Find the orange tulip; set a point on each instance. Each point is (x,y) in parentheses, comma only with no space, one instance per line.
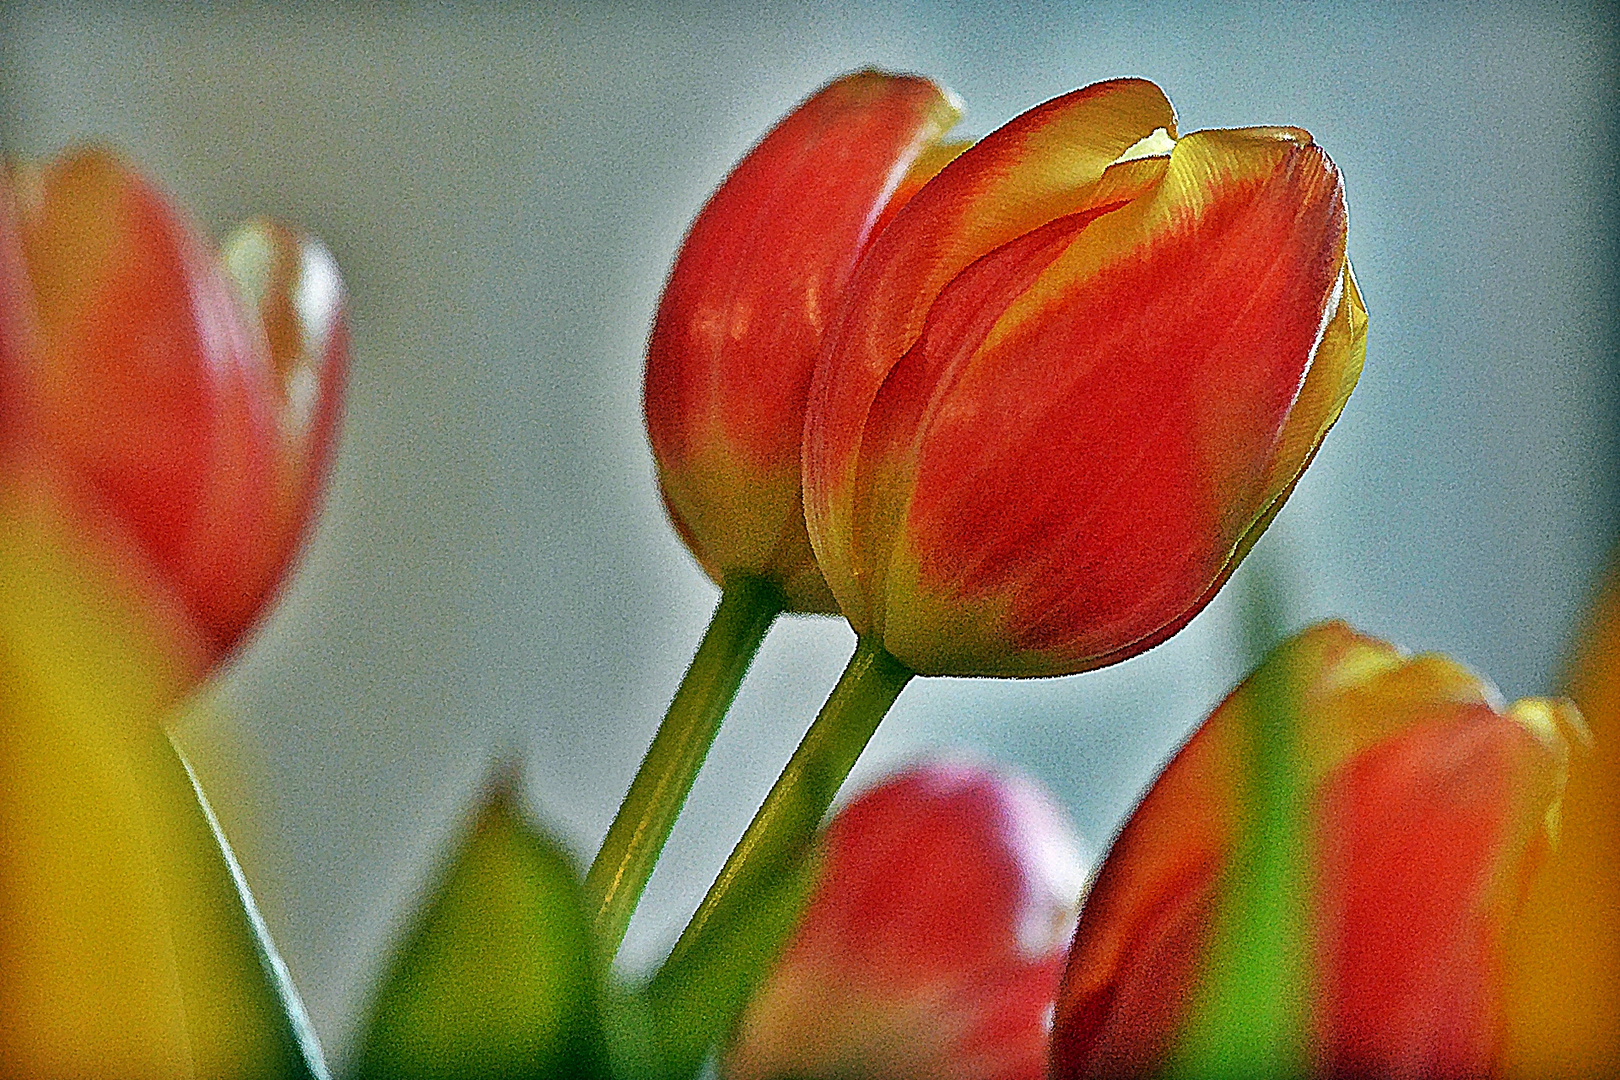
(933,943)
(1360,920)
(761,276)
(1075,378)
(188,415)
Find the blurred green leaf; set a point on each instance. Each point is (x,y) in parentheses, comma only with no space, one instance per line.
(274,1023)
(499,977)
(1250,1016)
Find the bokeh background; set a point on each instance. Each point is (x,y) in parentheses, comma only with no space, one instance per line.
(504,188)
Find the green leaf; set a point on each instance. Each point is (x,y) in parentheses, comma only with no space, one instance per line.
(499,976)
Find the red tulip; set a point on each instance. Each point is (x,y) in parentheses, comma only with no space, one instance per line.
(933,943)
(1075,378)
(189,418)
(1415,812)
(760,277)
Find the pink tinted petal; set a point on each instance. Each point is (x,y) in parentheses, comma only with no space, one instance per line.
(933,944)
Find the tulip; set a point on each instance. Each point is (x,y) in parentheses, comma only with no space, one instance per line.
(761,276)
(166,419)
(1071,381)
(1075,378)
(933,943)
(1562,962)
(1320,881)
(759,279)
(188,405)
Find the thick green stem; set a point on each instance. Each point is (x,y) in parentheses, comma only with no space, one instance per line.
(614,885)
(757,899)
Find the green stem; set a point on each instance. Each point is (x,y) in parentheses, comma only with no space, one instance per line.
(1251,1016)
(757,899)
(616,879)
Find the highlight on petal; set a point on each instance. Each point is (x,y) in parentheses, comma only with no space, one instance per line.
(1411,810)
(933,942)
(758,282)
(288,283)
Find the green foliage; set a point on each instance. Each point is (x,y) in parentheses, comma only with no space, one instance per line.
(499,978)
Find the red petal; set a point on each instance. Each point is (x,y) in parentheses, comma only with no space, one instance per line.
(150,383)
(1044,165)
(1098,460)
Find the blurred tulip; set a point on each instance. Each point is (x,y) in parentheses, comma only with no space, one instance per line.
(933,943)
(1319,882)
(761,276)
(1075,378)
(1562,961)
(191,414)
(162,444)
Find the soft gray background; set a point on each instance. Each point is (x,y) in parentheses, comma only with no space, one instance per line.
(504,189)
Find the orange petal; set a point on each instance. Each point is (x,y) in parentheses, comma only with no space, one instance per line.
(1092,457)
(1424,807)
(1561,964)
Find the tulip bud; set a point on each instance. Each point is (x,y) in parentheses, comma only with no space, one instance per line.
(198,434)
(934,940)
(1352,894)
(1075,378)
(497,978)
(761,276)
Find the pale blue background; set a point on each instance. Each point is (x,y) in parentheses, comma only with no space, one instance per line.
(504,189)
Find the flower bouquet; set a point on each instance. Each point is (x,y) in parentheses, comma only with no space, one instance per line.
(1015,408)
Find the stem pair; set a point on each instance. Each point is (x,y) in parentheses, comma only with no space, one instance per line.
(755,902)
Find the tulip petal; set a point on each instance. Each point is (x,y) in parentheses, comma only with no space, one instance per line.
(1419,807)
(288,283)
(932,944)
(150,383)
(1407,833)
(1170,341)
(759,279)
(1044,165)
(1561,963)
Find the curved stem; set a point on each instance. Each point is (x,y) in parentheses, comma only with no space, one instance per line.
(757,899)
(628,854)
